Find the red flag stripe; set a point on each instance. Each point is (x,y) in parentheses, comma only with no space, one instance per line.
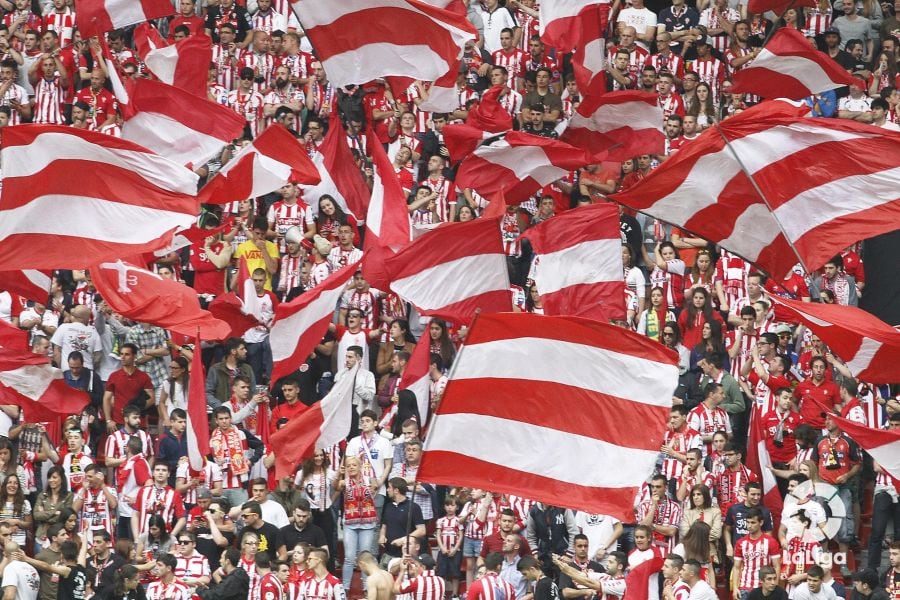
(183,65)
(95,17)
(561,21)
(31,284)
(623,123)
(417,379)
(353,52)
(883,445)
(300,324)
(340,177)
(197,432)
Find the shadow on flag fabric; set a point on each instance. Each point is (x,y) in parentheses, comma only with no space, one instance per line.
(197,420)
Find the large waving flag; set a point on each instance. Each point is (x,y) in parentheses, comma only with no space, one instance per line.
(454,270)
(869,346)
(747,186)
(320,426)
(266,164)
(489,114)
(510,366)
(788,67)
(562,21)
(132,202)
(31,284)
(184,64)
(95,17)
(578,271)
(301,323)
(339,176)
(416,378)
(618,125)
(358,40)
(760,462)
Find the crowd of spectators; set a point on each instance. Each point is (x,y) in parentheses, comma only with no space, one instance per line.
(105,504)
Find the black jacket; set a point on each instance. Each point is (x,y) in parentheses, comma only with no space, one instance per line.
(235,586)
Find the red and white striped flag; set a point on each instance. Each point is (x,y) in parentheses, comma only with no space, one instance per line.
(31,284)
(339,176)
(184,64)
(417,379)
(301,323)
(882,444)
(562,22)
(197,432)
(462,140)
(176,124)
(387,221)
(578,268)
(869,346)
(454,270)
(355,45)
(589,58)
(705,189)
(29,380)
(95,17)
(789,67)
(759,462)
(320,426)
(488,114)
(517,165)
(520,360)
(618,125)
(779,7)
(133,201)
(266,164)
(442,93)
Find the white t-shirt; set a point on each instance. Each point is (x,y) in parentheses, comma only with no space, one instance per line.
(494,23)
(702,591)
(801,592)
(598,529)
(76,336)
(641,19)
(274,513)
(24,578)
(378,449)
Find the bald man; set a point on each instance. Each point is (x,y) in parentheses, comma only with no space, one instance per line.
(78,335)
(20,580)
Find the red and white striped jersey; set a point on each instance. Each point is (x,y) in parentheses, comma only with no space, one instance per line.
(513,62)
(195,565)
(290,274)
(293,590)
(339,258)
(268,588)
(521,506)
(48,98)
(818,20)
(318,272)
(637,58)
(449,530)
(115,443)
(732,271)
(209,476)
(228,64)
(323,96)
(673,104)
(671,280)
(409,98)
(15,93)
(263,65)
(62,23)
(274,21)
(730,487)
(426,586)
(446,193)
(95,514)
(510,232)
(747,343)
(163,501)
(366,301)
(530,26)
(286,96)
(711,70)
(681,590)
(492,587)
(708,421)
(668,513)
(283,216)
(249,566)
(474,528)
(755,554)
(300,64)
(512,102)
(689,480)
(249,106)
(328,588)
(157,590)
(711,19)
(680,442)
(673,63)
(130,477)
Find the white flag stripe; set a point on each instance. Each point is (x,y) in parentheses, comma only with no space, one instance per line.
(863,357)
(596,261)
(381,61)
(38,278)
(542,359)
(324,13)
(163,62)
(550,10)
(336,411)
(31,381)
(471,276)
(422,389)
(523,161)
(171,138)
(49,147)
(58,214)
(817,206)
(759,150)
(753,231)
(526,447)
(802,69)
(286,332)
(888,456)
(124,12)
(609,117)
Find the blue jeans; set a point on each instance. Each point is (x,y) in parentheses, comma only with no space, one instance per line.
(845,533)
(259,356)
(884,511)
(357,539)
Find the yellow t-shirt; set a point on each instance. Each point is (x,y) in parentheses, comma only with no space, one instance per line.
(254,258)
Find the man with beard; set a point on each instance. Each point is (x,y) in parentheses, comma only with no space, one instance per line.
(283,94)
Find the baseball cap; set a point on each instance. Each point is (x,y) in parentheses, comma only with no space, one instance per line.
(203,493)
(833,30)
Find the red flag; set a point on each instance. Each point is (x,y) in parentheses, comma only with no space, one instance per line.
(443,96)
(29,380)
(788,67)
(176,124)
(519,360)
(779,7)
(387,221)
(246,291)
(463,140)
(489,114)
(589,58)
(184,64)
(31,284)
(869,346)
(354,50)
(320,426)
(230,309)
(266,164)
(133,201)
(643,577)
(759,462)
(578,270)
(95,17)
(340,177)
(454,270)
(563,22)
(197,422)
(144,296)
(618,125)
(300,324)
(705,188)
(518,164)
(883,445)
(416,378)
